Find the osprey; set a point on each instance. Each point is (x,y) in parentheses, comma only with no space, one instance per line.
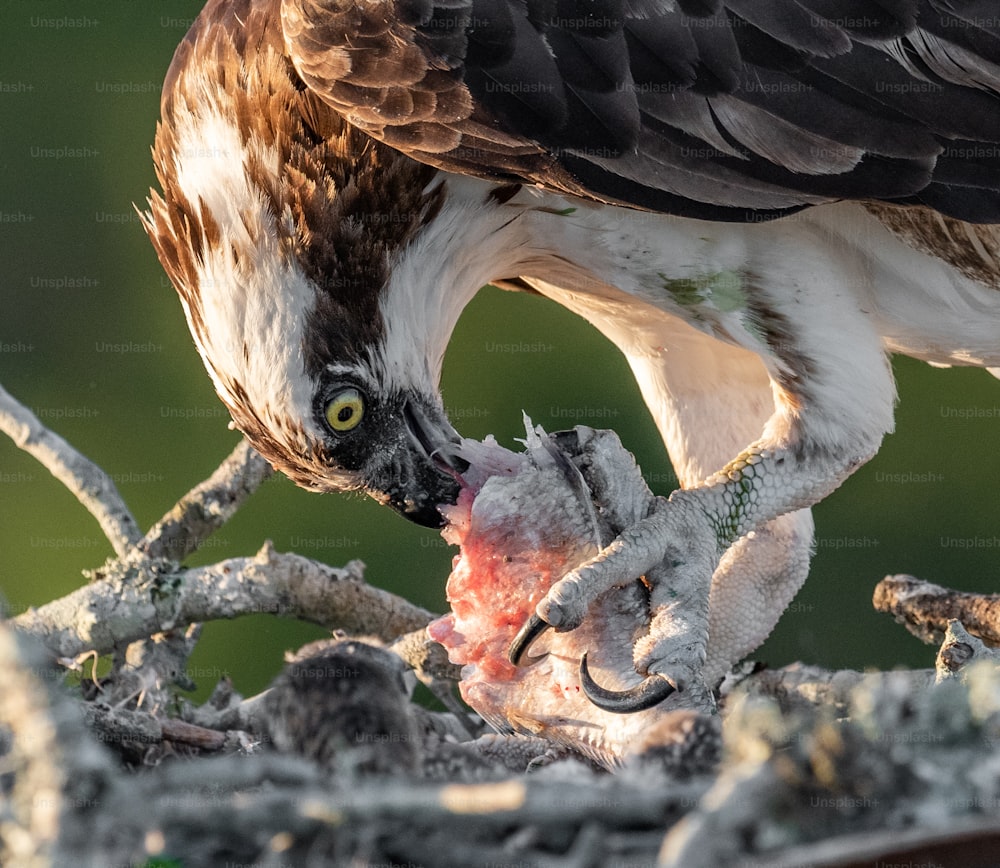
(757,201)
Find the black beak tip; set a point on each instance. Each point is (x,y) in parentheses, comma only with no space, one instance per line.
(425,516)
(424,510)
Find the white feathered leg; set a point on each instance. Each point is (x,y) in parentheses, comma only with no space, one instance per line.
(813,403)
(717,398)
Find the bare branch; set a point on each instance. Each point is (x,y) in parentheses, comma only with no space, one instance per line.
(926,609)
(134,603)
(123,725)
(207,506)
(32,834)
(227,710)
(959,651)
(89,484)
(429,662)
(798,687)
(55,762)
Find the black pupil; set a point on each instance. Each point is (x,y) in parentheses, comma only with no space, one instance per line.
(344,414)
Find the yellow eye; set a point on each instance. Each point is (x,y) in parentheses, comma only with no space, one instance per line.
(345,409)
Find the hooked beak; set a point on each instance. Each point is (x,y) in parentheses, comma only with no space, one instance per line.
(428,474)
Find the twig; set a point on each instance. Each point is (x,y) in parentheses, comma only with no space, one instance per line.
(207,506)
(121,725)
(30,834)
(429,662)
(798,687)
(91,485)
(57,766)
(925,609)
(123,607)
(227,710)
(959,651)
(197,515)
(963,843)
(738,798)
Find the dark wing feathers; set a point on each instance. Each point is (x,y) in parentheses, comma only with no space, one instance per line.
(720,109)
(866,20)
(936,105)
(719,59)
(793,25)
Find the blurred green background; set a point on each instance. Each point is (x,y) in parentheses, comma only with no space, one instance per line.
(92,337)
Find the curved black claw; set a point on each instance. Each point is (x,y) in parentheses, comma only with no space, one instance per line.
(532,629)
(652,691)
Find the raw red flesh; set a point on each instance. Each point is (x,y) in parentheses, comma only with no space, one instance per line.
(521,525)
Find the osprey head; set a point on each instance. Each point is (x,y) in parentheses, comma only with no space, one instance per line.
(281,228)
